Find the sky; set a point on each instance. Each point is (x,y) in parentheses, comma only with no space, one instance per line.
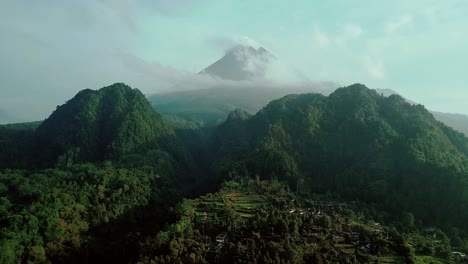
(51,49)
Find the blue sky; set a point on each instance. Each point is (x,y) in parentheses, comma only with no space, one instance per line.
(52,49)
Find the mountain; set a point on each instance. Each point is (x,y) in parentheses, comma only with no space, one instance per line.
(22,126)
(211,106)
(458,122)
(241,63)
(357,144)
(107,124)
(390,92)
(245,77)
(5,117)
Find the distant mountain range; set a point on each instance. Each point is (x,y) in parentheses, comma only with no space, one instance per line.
(256,70)
(5,117)
(211,106)
(458,122)
(247,78)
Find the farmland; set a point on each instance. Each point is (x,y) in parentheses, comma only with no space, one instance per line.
(243,203)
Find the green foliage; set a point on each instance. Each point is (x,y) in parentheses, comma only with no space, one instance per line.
(55,209)
(393,159)
(22,126)
(101,125)
(15,147)
(292,234)
(357,144)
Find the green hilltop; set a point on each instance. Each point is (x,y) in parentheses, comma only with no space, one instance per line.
(357,144)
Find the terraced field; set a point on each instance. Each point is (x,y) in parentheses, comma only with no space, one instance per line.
(243,203)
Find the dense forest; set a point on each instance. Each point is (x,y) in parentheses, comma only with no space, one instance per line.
(357,144)
(353,177)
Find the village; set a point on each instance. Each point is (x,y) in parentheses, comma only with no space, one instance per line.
(325,222)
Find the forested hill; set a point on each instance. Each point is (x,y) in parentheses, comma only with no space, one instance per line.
(99,174)
(106,124)
(357,144)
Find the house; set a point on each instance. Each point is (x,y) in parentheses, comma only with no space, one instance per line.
(461,255)
(366,248)
(431,232)
(333,237)
(354,235)
(221,238)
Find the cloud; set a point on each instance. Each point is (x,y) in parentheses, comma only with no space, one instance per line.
(154,70)
(353,31)
(151,77)
(321,37)
(227,43)
(172,7)
(246,41)
(222,43)
(375,68)
(346,32)
(393,26)
(125,12)
(128,11)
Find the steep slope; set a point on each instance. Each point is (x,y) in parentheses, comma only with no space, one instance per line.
(106,124)
(241,63)
(357,144)
(458,122)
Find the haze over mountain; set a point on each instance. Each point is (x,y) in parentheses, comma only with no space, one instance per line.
(5,118)
(248,63)
(388,46)
(245,77)
(458,122)
(241,63)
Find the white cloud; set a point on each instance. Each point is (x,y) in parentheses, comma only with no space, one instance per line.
(246,41)
(348,32)
(393,26)
(353,31)
(321,37)
(375,68)
(227,43)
